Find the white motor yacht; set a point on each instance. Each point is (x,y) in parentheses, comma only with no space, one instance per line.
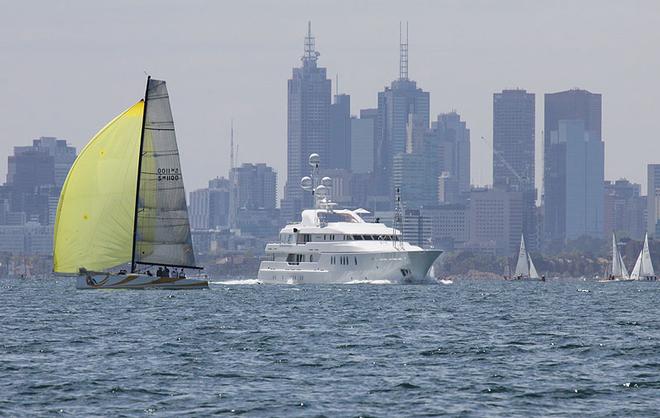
(331,245)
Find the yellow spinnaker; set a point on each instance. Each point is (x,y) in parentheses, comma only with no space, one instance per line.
(94,223)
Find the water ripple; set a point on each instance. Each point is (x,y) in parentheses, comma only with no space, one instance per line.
(474,348)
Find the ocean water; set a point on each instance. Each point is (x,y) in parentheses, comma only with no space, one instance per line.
(471,348)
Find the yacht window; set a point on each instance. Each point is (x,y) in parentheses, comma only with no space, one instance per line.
(336,217)
(357,237)
(367,237)
(304,238)
(356,260)
(348,237)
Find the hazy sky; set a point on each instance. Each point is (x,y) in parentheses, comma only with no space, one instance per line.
(68,67)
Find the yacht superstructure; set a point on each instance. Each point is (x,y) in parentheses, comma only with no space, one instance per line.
(332,245)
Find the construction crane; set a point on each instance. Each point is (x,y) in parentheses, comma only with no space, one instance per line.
(522,180)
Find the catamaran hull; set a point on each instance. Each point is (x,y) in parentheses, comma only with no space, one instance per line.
(617,279)
(407,267)
(525,279)
(137,281)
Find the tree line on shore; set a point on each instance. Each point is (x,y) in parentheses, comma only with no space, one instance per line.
(582,257)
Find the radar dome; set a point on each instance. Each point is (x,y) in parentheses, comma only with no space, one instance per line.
(326,181)
(306,183)
(314,160)
(321,191)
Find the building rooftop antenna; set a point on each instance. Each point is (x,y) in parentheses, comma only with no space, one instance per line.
(311,55)
(233,186)
(231,145)
(403,54)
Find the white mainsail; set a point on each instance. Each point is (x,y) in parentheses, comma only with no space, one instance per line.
(618,267)
(525,266)
(532,269)
(643,265)
(522,266)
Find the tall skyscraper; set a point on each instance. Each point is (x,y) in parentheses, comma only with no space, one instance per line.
(624,209)
(513,139)
(403,119)
(573,165)
(514,152)
(35,175)
(409,175)
(308,125)
(585,176)
(362,144)
(653,200)
(452,148)
(340,133)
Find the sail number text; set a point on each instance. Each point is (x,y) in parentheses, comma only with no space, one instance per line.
(168,174)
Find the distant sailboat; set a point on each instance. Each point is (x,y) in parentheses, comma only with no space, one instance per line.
(618,268)
(643,269)
(124,202)
(525,269)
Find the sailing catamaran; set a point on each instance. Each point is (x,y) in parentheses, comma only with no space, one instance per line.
(123,202)
(525,269)
(643,269)
(618,269)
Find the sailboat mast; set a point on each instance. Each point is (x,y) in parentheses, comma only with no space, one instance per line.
(139,171)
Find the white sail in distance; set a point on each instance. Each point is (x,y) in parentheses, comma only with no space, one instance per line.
(532,269)
(522,266)
(643,265)
(618,267)
(646,269)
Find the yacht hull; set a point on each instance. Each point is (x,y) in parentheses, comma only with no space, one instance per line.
(393,267)
(136,281)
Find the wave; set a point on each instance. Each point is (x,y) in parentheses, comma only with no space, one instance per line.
(238,282)
(369,282)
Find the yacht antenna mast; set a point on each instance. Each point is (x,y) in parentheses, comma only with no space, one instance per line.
(397,224)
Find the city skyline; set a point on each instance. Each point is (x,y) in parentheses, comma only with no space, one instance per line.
(458,64)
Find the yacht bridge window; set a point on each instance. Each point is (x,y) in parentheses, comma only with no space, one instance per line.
(374,237)
(326,217)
